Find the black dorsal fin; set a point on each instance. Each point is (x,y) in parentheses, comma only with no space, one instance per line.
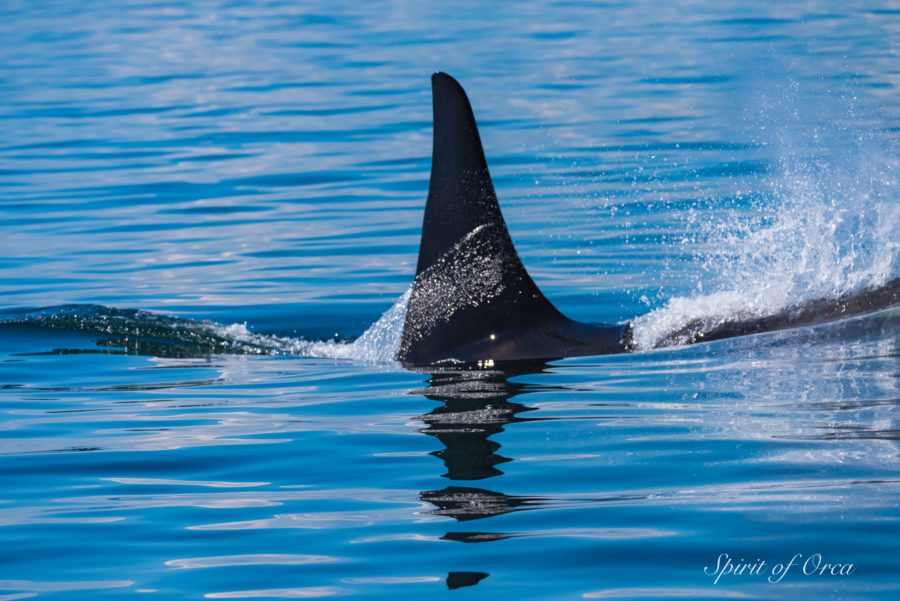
(470,283)
(460,195)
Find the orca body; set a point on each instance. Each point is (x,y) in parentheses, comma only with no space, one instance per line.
(809,313)
(472,300)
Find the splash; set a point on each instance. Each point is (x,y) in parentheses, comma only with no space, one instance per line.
(378,344)
(827,225)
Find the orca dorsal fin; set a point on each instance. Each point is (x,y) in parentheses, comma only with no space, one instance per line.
(461,195)
(470,286)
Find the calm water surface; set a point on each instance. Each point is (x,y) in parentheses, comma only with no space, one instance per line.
(264,165)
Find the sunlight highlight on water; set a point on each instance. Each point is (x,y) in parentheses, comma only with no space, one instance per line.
(210,217)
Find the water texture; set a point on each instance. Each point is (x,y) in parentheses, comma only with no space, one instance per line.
(209,215)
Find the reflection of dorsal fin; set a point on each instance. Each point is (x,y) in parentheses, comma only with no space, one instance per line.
(469,282)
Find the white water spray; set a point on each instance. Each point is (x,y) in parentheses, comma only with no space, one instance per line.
(378,344)
(829,227)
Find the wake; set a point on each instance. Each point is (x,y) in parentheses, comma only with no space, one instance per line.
(683,321)
(135,331)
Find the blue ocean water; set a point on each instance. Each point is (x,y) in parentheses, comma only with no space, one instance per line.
(264,165)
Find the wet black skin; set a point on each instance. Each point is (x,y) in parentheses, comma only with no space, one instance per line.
(473,301)
(512,320)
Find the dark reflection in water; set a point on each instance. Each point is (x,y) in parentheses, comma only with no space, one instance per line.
(475,405)
(461,579)
(464,503)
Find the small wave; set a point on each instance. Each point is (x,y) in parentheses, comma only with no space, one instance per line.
(147,333)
